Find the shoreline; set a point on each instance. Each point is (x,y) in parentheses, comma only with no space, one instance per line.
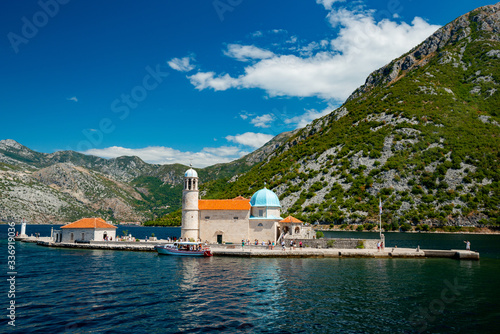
(491,232)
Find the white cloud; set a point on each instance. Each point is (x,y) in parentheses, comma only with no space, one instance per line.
(202,80)
(263,121)
(166,155)
(330,70)
(328,3)
(247,52)
(182,64)
(257,34)
(251,139)
(72,99)
(307,117)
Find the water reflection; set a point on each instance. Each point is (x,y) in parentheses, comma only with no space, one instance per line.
(231,292)
(99,291)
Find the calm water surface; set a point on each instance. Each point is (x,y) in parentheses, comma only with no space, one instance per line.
(93,291)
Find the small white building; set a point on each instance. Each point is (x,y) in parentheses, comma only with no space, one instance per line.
(86,229)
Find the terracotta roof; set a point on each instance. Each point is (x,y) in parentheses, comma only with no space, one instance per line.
(290,219)
(224,204)
(241,198)
(89,223)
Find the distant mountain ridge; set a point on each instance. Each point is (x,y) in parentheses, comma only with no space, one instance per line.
(66,185)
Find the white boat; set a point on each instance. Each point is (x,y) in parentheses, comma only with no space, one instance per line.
(184,248)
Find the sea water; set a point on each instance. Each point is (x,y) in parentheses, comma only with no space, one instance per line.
(105,291)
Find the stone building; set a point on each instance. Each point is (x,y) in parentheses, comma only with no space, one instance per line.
(86,229)
(233,220)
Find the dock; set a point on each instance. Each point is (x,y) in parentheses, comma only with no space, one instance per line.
(348,253)
(265,252)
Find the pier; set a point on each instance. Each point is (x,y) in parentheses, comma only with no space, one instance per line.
(264,252)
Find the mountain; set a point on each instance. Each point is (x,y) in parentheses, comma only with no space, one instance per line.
(422,134)
(65,186)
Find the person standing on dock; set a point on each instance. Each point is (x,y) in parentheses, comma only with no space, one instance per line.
(242,244)
(467,245)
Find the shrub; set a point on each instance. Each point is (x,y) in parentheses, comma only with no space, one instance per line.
(405,227)
(319,234)
(330,243)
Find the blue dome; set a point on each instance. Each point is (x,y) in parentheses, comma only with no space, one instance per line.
(265,197)
(190,173)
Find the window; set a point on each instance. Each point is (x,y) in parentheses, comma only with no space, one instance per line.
(261,213)
(71,237)
(207,217)
(235,217)
(260,224)
(83,235)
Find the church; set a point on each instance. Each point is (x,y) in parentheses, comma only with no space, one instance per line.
(233,220)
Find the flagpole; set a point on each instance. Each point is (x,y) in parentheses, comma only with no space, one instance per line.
(380,218)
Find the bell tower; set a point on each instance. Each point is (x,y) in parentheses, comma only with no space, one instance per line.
(190,220)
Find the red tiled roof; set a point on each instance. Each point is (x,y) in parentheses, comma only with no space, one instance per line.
(238,203)
(89,223)
(290,219)
(241,198)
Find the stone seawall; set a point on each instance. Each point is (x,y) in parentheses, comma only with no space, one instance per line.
(336,243)
(264,251)
(118,245)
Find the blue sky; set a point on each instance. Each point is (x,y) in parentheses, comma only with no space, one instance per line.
(202,81)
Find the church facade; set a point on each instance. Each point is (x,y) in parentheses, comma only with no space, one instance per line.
(237,219)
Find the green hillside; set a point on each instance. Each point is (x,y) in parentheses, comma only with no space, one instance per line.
(422,134)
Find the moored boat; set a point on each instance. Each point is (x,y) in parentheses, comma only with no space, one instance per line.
(184,249)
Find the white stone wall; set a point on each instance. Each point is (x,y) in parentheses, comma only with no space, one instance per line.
(99,234)
(86,234)
(223,222)
(266,212)
(80,234)
(274,212)
(262,229)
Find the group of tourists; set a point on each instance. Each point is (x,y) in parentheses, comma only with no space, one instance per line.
(270,244)
(380,245)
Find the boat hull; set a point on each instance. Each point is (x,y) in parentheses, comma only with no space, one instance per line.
(179,252)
